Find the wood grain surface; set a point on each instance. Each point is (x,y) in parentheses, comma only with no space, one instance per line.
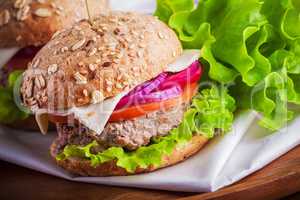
(279,179)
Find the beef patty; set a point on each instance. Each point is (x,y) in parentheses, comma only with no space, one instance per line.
(129,134)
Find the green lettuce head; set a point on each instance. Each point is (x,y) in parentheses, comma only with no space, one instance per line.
(253,45)
(9,111)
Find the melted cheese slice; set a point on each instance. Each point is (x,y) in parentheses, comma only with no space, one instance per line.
(96,116)
(42,119)
(6,54)
(184,61)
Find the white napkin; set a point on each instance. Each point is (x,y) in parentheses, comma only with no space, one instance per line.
(225,160)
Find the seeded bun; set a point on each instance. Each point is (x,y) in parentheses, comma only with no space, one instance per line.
(33,22)
(83,167)
(99,59)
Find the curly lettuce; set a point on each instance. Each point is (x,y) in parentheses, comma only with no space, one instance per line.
(9,111)
(211,110)
(252,45)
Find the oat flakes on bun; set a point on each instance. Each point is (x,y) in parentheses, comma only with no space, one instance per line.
(119,89)
(25,26)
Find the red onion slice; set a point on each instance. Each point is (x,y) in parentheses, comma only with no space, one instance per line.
(189,75)
(165,86)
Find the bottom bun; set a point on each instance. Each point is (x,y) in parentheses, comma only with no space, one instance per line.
(84,168)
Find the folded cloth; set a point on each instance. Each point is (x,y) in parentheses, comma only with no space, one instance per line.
(225,160)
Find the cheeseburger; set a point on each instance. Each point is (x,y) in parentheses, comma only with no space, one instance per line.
(25,26)
(118,88)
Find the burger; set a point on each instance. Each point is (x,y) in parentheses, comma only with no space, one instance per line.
(119,89)
(25,26)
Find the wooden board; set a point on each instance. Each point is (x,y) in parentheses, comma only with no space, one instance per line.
(279,179)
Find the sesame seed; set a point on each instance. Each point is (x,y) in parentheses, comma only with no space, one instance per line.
(20,4)
(113,20)
(119,77)
(97,97)
(78,44)
(104,28)
(92,67)
(119,86)
(92,51)
(29,88)
(135,69)
(53,4)
(118,56)
(100,48)
(40,82)
(131,46)
(36,63)
(58,12)
(108,82)
(141,45)
(60,8)
(80,79)
(134,33)
(174,53)
(42,12)
(52,69)
(108,89)
(131,54)
(112,45)
(64,49)
(160,35)
(56,34)
(85,92)
(23,13)
(77,28)
(139,54)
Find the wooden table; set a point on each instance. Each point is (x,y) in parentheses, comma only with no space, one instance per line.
(279,179)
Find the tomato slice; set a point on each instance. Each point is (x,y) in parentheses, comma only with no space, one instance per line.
(136,111)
